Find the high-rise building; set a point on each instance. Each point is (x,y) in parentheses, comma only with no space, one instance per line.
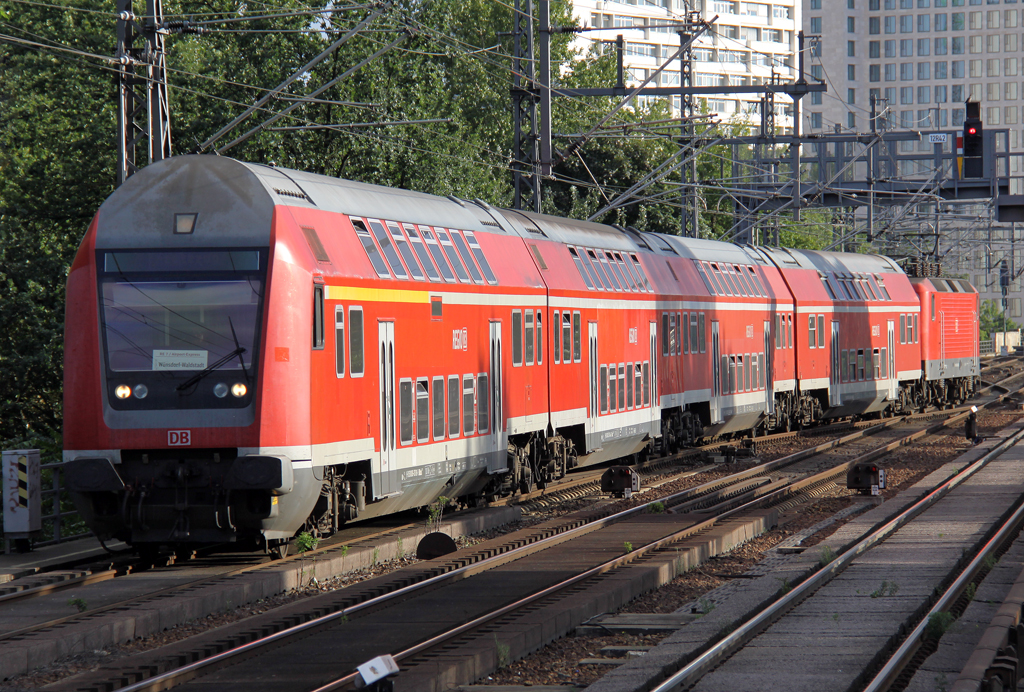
(922,59)
(747,43)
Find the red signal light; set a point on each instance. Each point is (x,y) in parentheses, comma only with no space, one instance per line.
(972,130)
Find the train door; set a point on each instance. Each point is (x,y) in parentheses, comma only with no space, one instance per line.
(716,375)
(495,387)
(835,396)
(891,357)
(386,474)
(769,369)
(594,365)
(655,403)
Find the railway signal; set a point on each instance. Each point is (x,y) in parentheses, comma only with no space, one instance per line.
(973,144)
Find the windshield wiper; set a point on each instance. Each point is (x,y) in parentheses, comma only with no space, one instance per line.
(210,368)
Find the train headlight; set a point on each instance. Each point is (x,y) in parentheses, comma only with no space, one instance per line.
(238,389)
(141,391)
(123,391)
(220,390)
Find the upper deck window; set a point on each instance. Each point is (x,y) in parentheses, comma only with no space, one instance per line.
(479,254)
(371,249)
(437,254)
(421,252)
(388,249)
(467,257)
(403,247)
(640,272)
(579,266)
(453,257)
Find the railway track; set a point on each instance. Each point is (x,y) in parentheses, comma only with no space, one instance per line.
(509,568)
(722,661)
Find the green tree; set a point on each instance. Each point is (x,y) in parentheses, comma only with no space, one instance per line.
(993,319)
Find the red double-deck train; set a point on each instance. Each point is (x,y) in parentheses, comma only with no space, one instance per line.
(251,350)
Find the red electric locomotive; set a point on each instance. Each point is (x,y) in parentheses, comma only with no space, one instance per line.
(253,350)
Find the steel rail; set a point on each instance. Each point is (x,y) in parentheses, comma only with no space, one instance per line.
(43,589)
(884,679)
(690,673)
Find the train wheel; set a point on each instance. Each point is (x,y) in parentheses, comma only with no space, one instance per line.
(279,551)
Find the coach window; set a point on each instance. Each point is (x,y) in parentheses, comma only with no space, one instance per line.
(339,340)
(885,364)
(403,247)
(933,306)
(517,337)
(686,332)
(318,318)
(844,363)
(860,364)
(789,330)
(609,268)
(821,331)
(453,406)
(637,279)
(810,330)
(622,269)
(480,258)
(881,286)
(694,333)
(528,338)
(591,270)
(438,255)
(741,278)
(664,334)
(647,383)
(828,289)
(640,272)
(452,255)
(556,334)
(540,339)
(355,341)
(877,363)
(903,329)
(720,280)
(596,264)
(699,326)
(917,335)
(593,267)
(466,255)
(438,386)
(577,349)
(421,252)
(739,373)
(579,266)
(388,248)
(604,389)
(637,381)
(853,365)
(755,368)
(622,386)
(704,277)
(629,385)
(405,410)
(422,411)
(566,337)
(483,414)
(716,280)
(757,281)
(778,331)
(371,249)
(468,404)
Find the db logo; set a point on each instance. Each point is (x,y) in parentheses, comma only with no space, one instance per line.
(179,438)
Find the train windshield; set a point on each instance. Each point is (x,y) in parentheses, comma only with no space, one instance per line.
(174,320)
